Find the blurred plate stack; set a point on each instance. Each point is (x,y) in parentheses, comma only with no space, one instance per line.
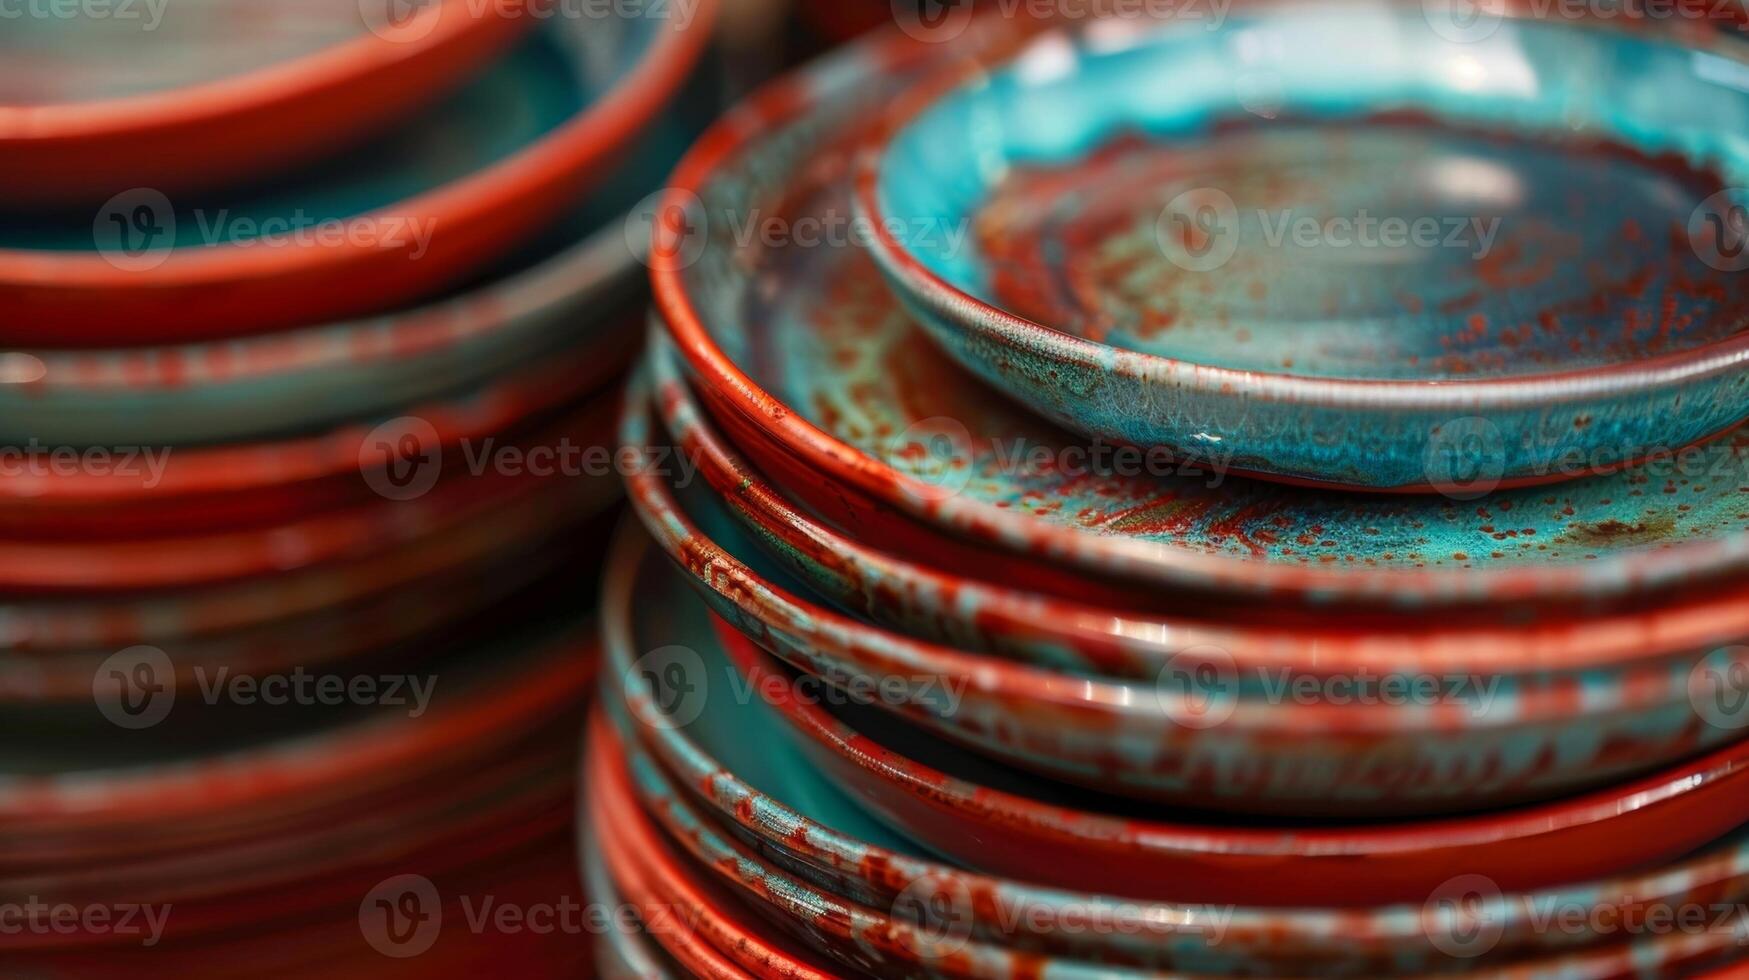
(902,679)
(315,321)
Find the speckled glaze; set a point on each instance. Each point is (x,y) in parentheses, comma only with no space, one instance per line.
(1025,828)
(1101,637)
(307,379)
(1474,746)
(477,173)
(734,759)
(860,937)
(809,363)
(1098,286)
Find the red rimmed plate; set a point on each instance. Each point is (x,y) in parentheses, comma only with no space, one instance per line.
(184,95)
(51,626)
(1442,743)
(544,680)
(730,752)
(119,492)
(425,504)
(161,276)
(805,359)
(1109,640)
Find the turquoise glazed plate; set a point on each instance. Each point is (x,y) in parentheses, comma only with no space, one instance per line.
(1337,243)
(1202,733)
(701,753)
(813,368)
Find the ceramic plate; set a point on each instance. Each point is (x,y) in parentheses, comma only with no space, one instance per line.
(390,222)
(300,380)
(1330,256)
(1202,734)
(1102,638)
(738,759)
(812,367)
(184,94)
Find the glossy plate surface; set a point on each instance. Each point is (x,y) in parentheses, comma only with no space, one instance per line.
(179,95)
(1020,825)
(1333,255)
(1203,734)
(979,610)
(420,207)
(242,389)
(814,369)
(691,746)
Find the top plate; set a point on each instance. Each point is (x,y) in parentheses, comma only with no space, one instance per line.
(1337,243)
(810,362)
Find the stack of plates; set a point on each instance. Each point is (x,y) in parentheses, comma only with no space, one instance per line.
(955,691)
(315,324)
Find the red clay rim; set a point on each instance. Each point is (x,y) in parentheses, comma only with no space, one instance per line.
(501,402)
(791,96)
(1015,684)
(542,688)
(599,130)
(1093,702)
(258,90)
(373,525)
(1021,333)
(358,343)
(1445,833)
(1259,925)
(633,843)
(1581,644)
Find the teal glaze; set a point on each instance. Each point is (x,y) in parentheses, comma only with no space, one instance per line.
(530,92)
(836,348)
(978,611)
(1292,386)
(571,285)
(1502,740)
(648,608)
